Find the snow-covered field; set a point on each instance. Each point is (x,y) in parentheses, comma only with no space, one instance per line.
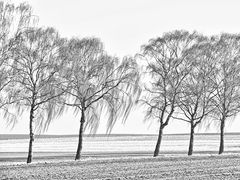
(121,157)
(180,167)
(130,143)
(62,148)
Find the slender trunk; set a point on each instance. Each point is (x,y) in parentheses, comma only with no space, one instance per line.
(221,147)
(190,148)
(157,148)
(80,139)
(29,159)
(162,125)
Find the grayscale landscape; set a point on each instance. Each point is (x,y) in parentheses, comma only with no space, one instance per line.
(103,89)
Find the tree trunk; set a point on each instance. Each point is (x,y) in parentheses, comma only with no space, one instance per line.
(221,147)
(29,159)
(80,139)
(190,148)
(157,148)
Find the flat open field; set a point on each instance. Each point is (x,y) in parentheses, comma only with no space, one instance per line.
(162,167)
(120,157)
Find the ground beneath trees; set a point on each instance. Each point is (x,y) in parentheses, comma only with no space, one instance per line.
(162,167)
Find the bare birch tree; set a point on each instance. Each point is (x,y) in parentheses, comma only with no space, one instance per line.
(197,92)
(227,80)
(168,68)
(36,83)
(98,82)
(13,20)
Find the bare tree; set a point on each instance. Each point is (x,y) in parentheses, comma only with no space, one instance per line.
(98,82)
(227,80)
(37,66)
(13,20)
(168,68)
(197,91)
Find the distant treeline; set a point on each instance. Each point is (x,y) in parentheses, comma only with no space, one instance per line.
(26,136)
(180,75)
(44,136)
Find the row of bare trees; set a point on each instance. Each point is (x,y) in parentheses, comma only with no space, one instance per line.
(186,76)
(46,75)
(194,78)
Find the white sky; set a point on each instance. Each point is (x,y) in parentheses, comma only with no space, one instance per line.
(123,26)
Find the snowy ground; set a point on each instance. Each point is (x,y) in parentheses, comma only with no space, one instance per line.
(142,167)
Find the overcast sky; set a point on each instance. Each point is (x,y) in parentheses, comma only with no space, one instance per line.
(123,26)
